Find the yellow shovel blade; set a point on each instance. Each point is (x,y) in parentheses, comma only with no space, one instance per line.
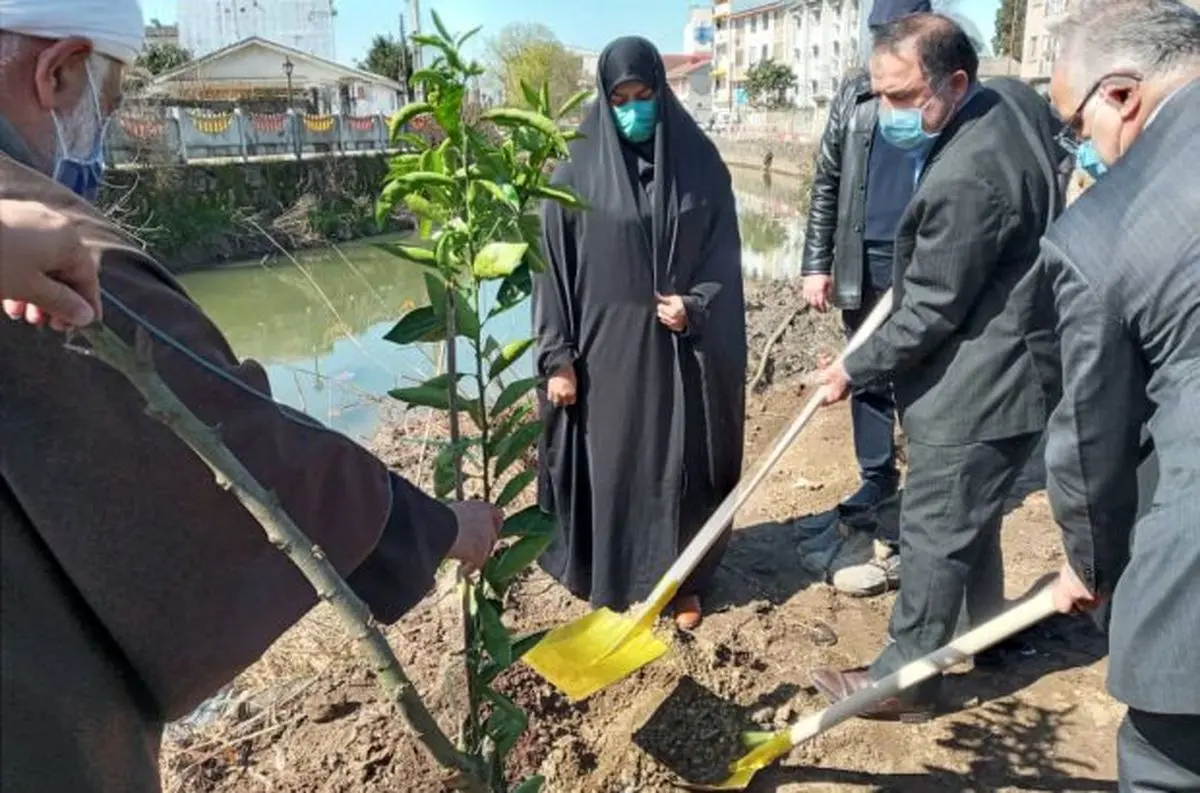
(592,652)
(742,771)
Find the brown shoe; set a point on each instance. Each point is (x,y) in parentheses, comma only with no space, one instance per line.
(687,612)
(837,685)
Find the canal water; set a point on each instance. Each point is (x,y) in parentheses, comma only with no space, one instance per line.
(317,323)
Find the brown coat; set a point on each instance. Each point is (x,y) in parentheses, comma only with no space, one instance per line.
(132,586)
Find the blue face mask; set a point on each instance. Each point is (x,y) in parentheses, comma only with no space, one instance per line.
(1087,159)
(636,119)
(82,174)
(904,127)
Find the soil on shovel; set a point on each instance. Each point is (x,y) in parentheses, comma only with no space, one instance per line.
(695,734)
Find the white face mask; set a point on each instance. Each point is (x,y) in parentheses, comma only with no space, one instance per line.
(79,161)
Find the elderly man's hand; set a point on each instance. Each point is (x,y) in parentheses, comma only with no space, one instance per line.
(478,529)
(817,289)
(45,272)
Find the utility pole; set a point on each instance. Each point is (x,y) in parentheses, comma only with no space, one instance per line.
(418,62)
(405,66)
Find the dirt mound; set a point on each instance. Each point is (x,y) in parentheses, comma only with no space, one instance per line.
(308,716)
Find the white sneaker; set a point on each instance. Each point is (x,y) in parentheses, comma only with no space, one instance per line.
(875,577)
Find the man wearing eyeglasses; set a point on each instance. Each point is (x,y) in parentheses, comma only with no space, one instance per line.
(1124,263)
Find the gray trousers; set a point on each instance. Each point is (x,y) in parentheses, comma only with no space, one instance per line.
(1158,753)
(953,565)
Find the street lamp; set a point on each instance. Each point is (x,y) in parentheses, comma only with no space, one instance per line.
(288,68)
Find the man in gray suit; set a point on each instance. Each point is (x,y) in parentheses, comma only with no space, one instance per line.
(966,384)
(1124,265)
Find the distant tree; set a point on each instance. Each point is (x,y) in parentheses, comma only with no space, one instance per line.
(768,83)
(388,57)
(163,56)
(532,54)
(1009,38)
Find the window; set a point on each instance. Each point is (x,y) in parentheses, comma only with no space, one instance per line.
(766,22)
(836,49)
(753,24)
(765,53)
(815,88)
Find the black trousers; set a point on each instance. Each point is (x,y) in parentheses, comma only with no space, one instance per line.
(873,410)
(1158,753)
(950,518)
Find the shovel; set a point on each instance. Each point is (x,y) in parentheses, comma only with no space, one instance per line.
(602,647)
(772,747)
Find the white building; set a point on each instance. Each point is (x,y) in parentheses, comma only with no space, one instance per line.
(822,40)
(741,40)
(206,26)
(259,71)
(698,32)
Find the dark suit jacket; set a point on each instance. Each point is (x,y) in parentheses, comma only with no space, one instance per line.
(1124,263)
(956,345)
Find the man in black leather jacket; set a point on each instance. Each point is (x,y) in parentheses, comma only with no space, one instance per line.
(861,187)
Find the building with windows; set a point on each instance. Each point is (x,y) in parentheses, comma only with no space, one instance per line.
(158,34)
(206,26)
(1040,46)
(698,31)
(822,40)
(742,39)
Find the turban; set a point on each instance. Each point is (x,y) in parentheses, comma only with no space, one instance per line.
(114,27)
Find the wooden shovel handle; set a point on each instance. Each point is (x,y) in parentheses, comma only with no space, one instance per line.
(1011,622)
(715,525)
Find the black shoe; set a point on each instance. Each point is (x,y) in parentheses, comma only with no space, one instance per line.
(869,495)
(1004,654)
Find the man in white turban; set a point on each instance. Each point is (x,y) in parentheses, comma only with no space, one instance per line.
(132,588)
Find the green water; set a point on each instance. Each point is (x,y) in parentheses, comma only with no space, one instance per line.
(317,324)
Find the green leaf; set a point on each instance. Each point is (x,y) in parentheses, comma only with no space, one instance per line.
(504,194)
(503,568)
(568,198)
(544,99)
(531,96)
(419,325)
(445,466)
(510,354)
(446,48)
(515,487)
(512,393)
(464,38)
(513,289)
(498,259)
(529,522)
(449,108)
(496,638)
(412,253)
(572,103)
(511,448)
(428,76)
(405,115)
(433,393)
(414,140)
(411,182)
(424,208)
(465,317)
(531,785)
(441,29)
(506,724)
(511,117)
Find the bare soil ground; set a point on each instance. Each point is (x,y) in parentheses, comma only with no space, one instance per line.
(308,718)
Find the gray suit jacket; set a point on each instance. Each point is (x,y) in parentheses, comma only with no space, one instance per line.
(1124,263)
(956,345)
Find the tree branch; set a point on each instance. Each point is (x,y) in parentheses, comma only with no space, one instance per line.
(137,365)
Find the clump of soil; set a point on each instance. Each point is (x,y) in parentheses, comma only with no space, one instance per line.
(695,734)
(790,337)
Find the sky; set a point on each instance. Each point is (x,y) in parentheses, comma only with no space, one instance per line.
(577,23)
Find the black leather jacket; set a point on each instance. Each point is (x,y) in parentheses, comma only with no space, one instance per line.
(833,243)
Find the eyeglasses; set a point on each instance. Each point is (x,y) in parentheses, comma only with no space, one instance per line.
(1068,137)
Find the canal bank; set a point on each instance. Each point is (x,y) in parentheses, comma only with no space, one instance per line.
(207,215)
(316,319)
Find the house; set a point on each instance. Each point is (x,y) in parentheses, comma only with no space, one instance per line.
(1040,47)
(823,46)
(691,82)
(256,73)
